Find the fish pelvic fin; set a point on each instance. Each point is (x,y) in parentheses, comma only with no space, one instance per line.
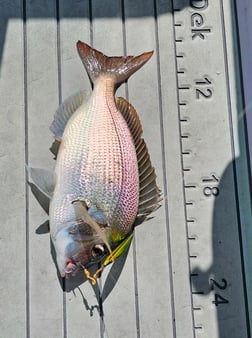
(118,67)
(44,180)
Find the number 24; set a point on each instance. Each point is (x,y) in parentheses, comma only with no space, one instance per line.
(218,299)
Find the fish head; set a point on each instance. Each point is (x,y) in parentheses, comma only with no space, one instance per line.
(76,250)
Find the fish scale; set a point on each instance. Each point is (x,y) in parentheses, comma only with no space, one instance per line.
(105,132)
(114,138)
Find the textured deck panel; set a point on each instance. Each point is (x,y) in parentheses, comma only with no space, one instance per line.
(142,301)
(12,175)
(41,89)
(147,292)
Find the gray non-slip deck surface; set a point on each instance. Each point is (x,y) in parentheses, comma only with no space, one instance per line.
(40,67)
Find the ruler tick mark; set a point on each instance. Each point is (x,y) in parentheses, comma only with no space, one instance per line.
(192,238)
(199,78)
(183,87)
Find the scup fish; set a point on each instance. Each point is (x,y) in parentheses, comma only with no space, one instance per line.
(104,183)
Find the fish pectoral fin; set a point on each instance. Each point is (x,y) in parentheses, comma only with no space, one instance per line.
(44,180)
(98,215)
(81,211)
(65,111)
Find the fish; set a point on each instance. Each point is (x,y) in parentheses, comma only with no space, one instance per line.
(103,184)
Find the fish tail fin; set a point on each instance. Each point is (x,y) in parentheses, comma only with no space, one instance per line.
(118,67)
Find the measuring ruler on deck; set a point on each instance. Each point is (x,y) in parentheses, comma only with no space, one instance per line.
(205,47)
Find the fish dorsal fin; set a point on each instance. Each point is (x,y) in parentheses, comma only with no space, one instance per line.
(131,117)
(65,111)
(149,193)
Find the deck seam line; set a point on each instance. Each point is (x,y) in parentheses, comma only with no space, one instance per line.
(58,45)
(138,332)
(27,223)
(91,31)
(165,182)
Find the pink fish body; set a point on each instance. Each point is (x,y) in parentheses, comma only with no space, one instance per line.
(102,162)
(97,162)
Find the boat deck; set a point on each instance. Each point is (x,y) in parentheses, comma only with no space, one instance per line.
(146,293)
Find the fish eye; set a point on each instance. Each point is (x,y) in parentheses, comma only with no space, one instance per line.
(97,250)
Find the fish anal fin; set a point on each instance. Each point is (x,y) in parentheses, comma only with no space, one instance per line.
(65,111)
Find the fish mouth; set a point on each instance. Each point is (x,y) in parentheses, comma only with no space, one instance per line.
(70,269)
(75,264)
